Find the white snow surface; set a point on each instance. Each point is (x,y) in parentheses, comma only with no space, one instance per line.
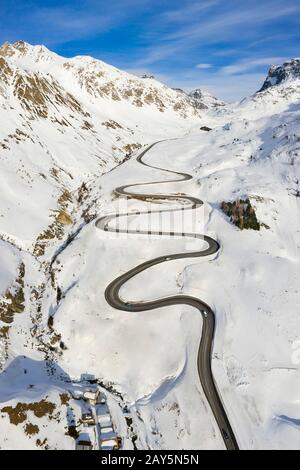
(146,362)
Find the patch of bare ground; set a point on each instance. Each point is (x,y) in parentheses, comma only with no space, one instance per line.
(42,444)
(87,126)
(4,332)
(83,193)
(37,94)
(175,407)
(57,173)
(130,148)
(64,398)
(72,432)
(6,72)
(13,300)
(55,230)
(45,342)
(111,124)
(18,414)
(110,90)
(4,343)
(31,429)
(16,137)
(64,218)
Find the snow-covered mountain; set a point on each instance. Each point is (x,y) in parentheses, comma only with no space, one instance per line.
(66,121)
(204,100)
(66,125)
(74,92)
(280,92)
(101,111)
(278,74)
(201,99)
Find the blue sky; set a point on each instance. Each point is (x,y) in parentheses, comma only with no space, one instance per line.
(223,46)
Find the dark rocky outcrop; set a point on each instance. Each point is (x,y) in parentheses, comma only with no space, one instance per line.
(241,214)
(280,73)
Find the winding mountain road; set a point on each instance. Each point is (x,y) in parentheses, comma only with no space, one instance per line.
(113,297)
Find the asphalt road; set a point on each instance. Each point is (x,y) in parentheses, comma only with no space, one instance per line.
(208,329)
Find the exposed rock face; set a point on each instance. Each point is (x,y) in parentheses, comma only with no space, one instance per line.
(8,50)
(63,123)
(64,218)
(241,214)
(98,79)
(281,73)
(13,300)
(197,98)
(80,110)
(179,90)
(204,100)
(36,93)
(200,99)
(5,71)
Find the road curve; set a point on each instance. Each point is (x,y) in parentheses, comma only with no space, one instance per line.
(113,297)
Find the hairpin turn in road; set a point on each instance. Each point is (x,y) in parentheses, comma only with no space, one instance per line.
(208,329)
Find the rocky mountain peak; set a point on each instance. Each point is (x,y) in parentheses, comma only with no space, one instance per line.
(145,75)
(8,49)
(82,74)
(204,100)
(197,94)
(278,74)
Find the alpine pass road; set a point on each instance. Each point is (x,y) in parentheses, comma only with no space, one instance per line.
(113,298)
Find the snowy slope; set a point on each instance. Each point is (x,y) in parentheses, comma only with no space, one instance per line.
(59,325)
(66,121)
(278,74)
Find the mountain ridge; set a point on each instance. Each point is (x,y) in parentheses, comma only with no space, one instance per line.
(279,74)
(65,146)
(98,78)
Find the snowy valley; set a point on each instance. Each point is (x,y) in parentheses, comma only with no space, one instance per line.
(71,131)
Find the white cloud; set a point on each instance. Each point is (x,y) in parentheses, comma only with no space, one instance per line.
(187,12)
(246,65)
(224,87)
(231,23)
(233,90)
(203,66)
(59,24)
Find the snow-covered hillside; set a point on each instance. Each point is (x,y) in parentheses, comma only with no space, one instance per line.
(204,100)
(65,122)
(278,74)
(55,322)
